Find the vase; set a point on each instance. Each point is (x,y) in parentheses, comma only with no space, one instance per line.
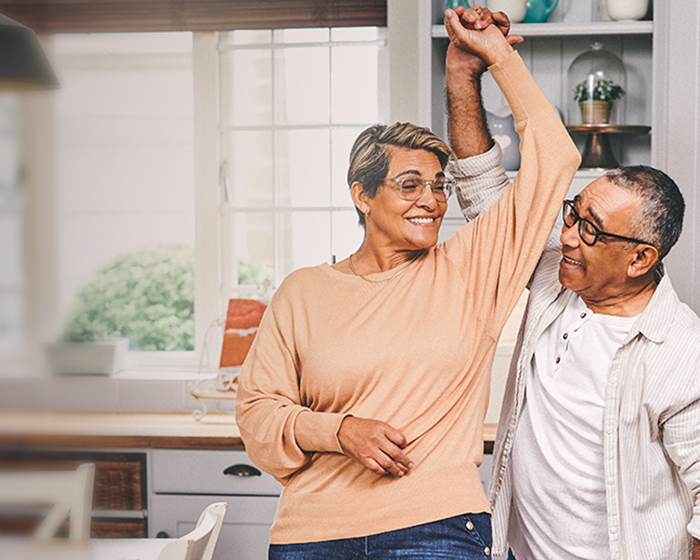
(538,10)
(502,127)
(454,4)
(595,112)
(621,10)
(514,9)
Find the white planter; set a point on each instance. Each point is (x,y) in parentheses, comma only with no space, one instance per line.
(87,358)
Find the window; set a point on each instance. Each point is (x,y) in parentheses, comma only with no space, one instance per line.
(126,149)
(292,103)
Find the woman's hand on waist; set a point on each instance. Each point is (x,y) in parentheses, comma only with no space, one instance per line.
(375,445)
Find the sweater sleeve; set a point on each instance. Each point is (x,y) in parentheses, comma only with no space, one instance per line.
(279,432)
(499,250)
(481,181)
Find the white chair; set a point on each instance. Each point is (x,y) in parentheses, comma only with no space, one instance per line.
(68,492)
(198,544)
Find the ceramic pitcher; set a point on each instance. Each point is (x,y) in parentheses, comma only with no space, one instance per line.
(538,10)
(502,127)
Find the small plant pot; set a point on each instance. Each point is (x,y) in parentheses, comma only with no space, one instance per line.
(595,112)
(87,358)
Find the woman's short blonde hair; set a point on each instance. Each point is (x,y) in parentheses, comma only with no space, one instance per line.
(369,158)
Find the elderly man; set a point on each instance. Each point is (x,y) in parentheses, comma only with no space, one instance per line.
(598,447)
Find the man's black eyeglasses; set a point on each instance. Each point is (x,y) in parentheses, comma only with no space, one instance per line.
(588,232)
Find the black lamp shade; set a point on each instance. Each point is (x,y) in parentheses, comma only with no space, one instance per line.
(23,64)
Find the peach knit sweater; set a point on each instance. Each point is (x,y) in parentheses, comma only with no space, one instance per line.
(415,352)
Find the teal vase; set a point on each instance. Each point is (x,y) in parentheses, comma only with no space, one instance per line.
(453,4)
(538,10)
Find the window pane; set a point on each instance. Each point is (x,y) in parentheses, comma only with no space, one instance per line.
(252,257)
(354,33)
(125,180)
(343,139)
(122,43)
(353,66)
(310,35)
(303,168)
(302,86)
(347,234)
(311,239)
(250,36)
(251,169)
(250,78)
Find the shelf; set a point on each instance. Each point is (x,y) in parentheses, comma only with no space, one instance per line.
(594,28)
(580,174)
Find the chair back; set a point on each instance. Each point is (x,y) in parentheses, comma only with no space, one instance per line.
(69,493)
(200,542)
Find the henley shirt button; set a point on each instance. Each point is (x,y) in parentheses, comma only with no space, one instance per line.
(583,315)
(487,550)
(470,525)
(566,335)
(558,359)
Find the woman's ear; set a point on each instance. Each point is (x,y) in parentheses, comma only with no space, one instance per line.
(359,197)
(645,259)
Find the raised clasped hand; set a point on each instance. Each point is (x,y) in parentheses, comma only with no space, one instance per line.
(375,445)
(480,32)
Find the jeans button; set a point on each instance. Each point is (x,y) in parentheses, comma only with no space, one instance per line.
(470,525)
(487,551)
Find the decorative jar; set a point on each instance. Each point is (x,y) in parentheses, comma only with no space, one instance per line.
(596,86)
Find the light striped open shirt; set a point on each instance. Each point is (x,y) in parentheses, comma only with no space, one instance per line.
(652,403)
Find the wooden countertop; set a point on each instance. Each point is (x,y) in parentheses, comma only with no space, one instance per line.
(125,429)
(119,429)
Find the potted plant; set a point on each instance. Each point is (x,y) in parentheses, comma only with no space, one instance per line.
(595,97)
(143,300)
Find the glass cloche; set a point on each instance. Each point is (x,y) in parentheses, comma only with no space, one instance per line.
(596,87)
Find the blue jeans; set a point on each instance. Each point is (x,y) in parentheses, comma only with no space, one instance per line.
(465,537)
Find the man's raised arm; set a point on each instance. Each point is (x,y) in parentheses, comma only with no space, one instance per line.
(480,177)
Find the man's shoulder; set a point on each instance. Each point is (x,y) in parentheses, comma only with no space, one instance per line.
(686,323)
(681,325)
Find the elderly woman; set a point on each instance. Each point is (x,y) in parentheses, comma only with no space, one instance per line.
(367,385)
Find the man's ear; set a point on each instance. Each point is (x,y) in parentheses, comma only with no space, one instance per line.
(645,259)
(359,197)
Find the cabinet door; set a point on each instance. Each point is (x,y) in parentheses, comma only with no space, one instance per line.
(186,471)
(245,533)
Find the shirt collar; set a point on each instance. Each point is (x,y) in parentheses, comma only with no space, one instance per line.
(655,321)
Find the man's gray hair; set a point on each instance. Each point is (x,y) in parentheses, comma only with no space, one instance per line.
(661,220)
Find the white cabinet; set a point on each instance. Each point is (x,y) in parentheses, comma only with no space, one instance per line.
(184,482)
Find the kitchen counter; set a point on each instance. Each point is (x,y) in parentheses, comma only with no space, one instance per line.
(118,429)
(124,429)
